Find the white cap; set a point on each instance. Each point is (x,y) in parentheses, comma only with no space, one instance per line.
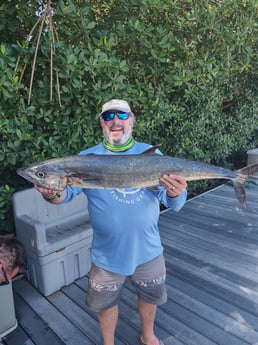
(116,104)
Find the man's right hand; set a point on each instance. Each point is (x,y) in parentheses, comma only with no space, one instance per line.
(51,195)
(45,191)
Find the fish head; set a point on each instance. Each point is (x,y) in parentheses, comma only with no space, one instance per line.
(44,175)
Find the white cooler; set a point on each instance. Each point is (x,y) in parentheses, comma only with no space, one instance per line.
(8,321)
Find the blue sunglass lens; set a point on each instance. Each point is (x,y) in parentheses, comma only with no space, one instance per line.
(109,115)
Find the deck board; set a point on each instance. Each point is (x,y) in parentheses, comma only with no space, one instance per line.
(211,251)
(34,325)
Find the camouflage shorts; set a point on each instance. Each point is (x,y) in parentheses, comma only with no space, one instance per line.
(148,279)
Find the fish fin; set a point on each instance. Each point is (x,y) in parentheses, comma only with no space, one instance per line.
(246,173)
(151,150)
(239,187)
(249,172)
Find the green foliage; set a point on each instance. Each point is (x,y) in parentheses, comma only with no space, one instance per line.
(5,209)
(188,68)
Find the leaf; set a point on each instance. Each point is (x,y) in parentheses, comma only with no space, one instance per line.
(2,49)
(91,25)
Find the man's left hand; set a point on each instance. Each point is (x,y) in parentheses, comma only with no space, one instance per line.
(174,184)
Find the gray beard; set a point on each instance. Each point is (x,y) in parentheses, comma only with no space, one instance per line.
(121,141)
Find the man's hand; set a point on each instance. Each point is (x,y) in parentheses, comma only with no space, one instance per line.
(51,195)
(174,184)
(46,192)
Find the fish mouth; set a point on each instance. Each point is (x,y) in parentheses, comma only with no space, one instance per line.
(26,176)
(21,172)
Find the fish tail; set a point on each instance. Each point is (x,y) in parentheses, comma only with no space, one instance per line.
(246,173)
(250,172)
(239,187)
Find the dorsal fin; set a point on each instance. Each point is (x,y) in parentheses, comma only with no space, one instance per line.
(151,150)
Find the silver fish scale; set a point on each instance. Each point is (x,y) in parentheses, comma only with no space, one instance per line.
(126,171)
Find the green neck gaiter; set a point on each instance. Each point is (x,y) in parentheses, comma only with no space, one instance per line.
(119,148)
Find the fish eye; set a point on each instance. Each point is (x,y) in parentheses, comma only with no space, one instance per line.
(40,174)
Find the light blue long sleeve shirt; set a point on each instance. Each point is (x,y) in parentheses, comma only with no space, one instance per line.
(125,221)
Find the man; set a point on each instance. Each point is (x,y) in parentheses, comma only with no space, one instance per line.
(12,258)
(126,240)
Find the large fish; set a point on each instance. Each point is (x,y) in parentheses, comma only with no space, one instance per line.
(128,171)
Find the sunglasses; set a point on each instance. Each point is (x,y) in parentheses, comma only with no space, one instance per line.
(6,281)
(109,115)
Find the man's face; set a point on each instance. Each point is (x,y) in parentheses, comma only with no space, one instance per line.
(116,131)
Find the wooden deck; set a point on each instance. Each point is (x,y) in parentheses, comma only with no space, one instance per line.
(211,250)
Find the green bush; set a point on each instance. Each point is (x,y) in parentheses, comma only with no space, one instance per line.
(6,215)
(188,68)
